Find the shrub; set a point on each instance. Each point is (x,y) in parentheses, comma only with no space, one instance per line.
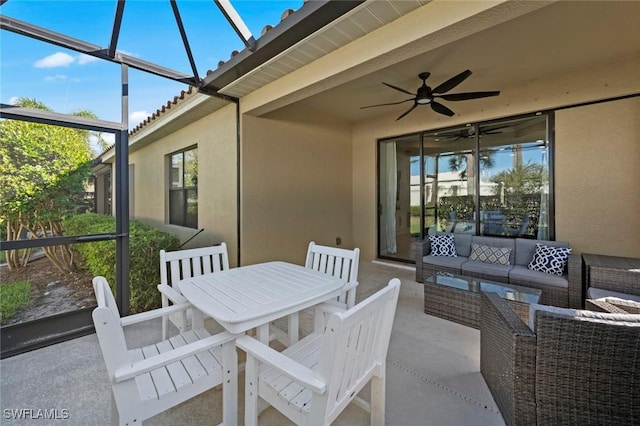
(145,243)
(13,296)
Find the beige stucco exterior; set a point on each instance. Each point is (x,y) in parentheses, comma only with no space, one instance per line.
(310,174)
(296,185)
(215,137)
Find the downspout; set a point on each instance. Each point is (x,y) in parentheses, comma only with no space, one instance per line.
(238,186)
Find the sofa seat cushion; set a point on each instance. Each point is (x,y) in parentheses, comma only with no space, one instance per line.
(446,261)
(490,269)
(519,274)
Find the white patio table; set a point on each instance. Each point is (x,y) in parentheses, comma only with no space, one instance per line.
(250,297)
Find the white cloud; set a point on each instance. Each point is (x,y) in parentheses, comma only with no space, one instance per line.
(86,59)
(13,100)
(136,117)
(55,77)
(58,59)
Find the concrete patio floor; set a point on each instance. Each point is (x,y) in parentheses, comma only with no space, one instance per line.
(433,374)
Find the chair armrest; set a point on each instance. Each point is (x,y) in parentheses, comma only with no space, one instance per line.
(421,249)
(331,307)
(574,268)
(171,293)
(290,368)
(156,313)
(174,355)
(507,359)
(603,306)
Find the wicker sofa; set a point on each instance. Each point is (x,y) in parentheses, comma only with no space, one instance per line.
(563,291)
(569,371)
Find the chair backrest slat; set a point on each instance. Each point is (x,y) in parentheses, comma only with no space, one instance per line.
(192,263)
(337,262)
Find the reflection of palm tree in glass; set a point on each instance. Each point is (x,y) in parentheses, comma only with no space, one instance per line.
(464,164)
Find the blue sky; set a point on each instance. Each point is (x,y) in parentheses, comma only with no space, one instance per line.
(67,81)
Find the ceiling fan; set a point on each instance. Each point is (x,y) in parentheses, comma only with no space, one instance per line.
(426,95)
(470,132)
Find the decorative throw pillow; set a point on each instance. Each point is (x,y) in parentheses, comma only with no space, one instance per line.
(443,245)
(488,254)
(550,260)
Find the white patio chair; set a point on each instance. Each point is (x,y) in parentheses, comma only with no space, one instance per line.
(181,264)
(152,379)
(337,262)
(313,381)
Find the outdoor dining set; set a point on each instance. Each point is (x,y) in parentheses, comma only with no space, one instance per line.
(310,382)
(310,349)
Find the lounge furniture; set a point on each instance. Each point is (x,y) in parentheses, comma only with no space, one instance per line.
(611,276)
(558,290)
(180,264)
(457,297)
(312,381)
(252,296)
(582,371)
(152,379)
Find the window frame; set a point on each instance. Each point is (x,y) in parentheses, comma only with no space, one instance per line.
(184,190)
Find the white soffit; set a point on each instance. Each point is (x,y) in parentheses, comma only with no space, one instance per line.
(359,22)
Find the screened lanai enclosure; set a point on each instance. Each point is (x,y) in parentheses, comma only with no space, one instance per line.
(490,178)
(49,189)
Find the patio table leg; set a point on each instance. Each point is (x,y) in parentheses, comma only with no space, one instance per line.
(229,384)
(262,334)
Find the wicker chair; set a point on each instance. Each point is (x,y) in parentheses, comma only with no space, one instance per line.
(568,372)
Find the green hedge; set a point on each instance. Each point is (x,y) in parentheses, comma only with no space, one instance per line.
(145,243)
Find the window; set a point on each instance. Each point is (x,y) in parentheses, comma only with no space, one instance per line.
(183,189)
(490,178)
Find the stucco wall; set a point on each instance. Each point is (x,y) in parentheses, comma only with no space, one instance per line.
(598,177)
(579,152)
(296,185)
(215,137)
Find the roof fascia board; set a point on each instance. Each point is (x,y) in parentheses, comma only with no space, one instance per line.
(148,133)
(310,18)
(52,37)
(450,21)
(57,119)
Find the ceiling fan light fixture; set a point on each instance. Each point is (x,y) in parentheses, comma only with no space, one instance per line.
(425,95)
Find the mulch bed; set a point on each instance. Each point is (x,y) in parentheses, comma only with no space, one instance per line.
(53,292)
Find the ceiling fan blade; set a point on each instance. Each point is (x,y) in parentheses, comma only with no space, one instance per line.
(400,89)
(494,131)
(390,103)
(468,95)
(452,82)
(408,111)
(437,107)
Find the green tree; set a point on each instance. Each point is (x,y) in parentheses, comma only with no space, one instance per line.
(521,179)
(43,172)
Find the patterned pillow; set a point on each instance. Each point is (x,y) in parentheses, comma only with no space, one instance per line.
(443,245)
(488,254)
(550,260)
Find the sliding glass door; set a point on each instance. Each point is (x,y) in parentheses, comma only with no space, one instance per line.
(399,196)
(488,178)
